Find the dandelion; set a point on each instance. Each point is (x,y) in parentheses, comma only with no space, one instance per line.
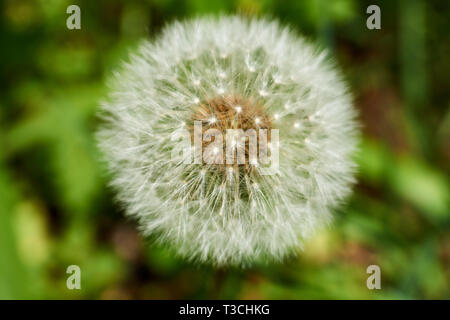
(229,73)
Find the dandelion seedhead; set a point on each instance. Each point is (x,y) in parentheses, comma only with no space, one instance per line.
(229,139)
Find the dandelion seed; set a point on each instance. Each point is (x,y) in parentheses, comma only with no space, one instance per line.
(212,120)
(230,214)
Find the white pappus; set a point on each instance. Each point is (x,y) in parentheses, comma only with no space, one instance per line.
(229,72)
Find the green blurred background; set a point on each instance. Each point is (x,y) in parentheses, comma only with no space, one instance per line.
(55,208)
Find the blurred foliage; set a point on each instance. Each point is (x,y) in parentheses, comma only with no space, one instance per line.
(55,208)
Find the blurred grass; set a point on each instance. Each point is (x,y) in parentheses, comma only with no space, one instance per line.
(55,208)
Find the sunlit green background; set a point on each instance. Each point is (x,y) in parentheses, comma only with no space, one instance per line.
(55,208)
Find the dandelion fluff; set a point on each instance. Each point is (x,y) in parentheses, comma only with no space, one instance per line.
(229,73)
